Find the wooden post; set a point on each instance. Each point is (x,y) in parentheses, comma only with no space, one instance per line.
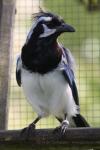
(7,11)
(0,10)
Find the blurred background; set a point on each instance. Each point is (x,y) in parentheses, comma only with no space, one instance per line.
(84,44)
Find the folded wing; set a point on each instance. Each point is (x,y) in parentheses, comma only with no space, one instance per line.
(18,70)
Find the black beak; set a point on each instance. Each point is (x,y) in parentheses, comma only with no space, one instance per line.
(65,28)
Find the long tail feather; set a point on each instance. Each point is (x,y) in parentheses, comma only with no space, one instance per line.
(80,121)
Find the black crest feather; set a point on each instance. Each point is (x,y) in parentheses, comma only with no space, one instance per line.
(42,13)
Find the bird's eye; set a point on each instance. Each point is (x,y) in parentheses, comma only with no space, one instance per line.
(54,23)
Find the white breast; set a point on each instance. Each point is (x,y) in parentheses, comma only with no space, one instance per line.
(48,94)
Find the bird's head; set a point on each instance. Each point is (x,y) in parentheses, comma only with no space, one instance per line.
(48,25)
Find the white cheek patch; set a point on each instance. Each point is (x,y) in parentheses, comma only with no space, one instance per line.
(35,24)
(47,32)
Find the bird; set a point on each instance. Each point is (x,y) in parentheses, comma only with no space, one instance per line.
(45,71)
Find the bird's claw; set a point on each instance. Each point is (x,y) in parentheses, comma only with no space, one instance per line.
(27,132)
(63,128)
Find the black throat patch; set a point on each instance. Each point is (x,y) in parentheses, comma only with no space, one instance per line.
(42,56)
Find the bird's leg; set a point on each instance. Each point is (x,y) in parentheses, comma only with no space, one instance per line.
(26,132)
(36,120)
(64,124)
(59,119)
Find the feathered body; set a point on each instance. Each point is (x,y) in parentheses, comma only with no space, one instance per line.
(45,70)
(49,93)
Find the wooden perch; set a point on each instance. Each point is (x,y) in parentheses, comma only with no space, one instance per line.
(74,136)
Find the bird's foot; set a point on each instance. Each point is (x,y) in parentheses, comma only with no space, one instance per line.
(27,132)
(63,128)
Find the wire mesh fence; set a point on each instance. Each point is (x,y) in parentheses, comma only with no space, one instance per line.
(84,45)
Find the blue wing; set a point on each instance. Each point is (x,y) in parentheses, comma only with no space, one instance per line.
(18,70)
(69,74)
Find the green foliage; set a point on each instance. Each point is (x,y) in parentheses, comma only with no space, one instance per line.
(90,2)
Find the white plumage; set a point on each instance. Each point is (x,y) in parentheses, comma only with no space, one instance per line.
(47,32)
(48,94)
